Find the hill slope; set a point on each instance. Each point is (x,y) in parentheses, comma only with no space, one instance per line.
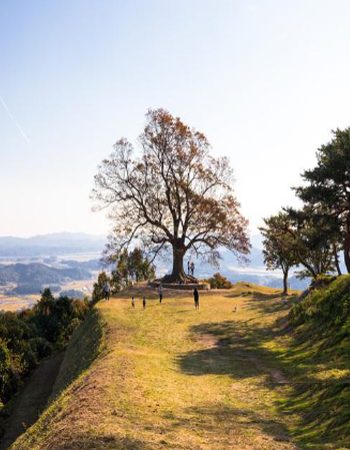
(320,348)
(172,377)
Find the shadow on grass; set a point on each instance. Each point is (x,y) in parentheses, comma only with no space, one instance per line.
(235,421)
(235,351)
(321,409)
(323,413)
(84,347)
(267,304)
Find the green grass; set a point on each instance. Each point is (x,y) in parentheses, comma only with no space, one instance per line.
(172,377)
(319,350)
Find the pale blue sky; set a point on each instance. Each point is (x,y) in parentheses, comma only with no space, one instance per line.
(266,81)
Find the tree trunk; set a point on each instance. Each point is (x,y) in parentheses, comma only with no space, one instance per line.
(347,244)
(306,265)
(336,259)
(178,274)
(285,282)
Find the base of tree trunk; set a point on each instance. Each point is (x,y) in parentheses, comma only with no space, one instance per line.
(186,279)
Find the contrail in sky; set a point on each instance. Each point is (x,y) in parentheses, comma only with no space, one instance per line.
(25,137)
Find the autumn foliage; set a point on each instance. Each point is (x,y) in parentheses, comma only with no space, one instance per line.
(171,196)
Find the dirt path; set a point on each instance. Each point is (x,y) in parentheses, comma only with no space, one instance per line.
(32,399)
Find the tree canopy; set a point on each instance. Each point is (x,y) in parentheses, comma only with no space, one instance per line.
(327,187)
(315,234)
(171,195)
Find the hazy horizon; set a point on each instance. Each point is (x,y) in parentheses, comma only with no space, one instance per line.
(266,82)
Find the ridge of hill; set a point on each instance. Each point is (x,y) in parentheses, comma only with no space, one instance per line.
(40,273)
(240,373)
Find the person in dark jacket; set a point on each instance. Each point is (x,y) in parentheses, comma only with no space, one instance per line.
(107,291)
(144,302)
(196,298)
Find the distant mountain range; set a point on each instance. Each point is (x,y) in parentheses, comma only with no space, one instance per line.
(25,279)
(46,248)
(40,274)
(51,245)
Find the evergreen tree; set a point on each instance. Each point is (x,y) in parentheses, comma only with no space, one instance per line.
(315,239)
(327,186)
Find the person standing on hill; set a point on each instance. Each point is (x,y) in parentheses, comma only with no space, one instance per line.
(144,302)
(160,291)
(133,302)
(196,298)
(188,268)
(192,268)
(107,291)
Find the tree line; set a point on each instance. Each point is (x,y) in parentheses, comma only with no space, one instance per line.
(128,267)
(314,236)
(30,335)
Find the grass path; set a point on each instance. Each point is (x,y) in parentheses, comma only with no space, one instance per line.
(173,377)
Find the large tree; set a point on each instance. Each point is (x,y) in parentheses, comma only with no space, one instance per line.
(171,195)
(327,186)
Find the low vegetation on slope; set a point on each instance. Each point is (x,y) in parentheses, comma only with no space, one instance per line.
(319,353)
(85,346)
(29,336)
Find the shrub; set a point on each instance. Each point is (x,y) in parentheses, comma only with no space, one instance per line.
(218,281)
(31,335)
(326,309)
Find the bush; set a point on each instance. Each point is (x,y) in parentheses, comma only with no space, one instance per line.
(218,281)
(322,281)
(30,335)
(325,310)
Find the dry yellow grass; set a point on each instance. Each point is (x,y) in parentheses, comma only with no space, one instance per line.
(13,303)
(172,377)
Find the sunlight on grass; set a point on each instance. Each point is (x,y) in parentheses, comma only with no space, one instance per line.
(174,377)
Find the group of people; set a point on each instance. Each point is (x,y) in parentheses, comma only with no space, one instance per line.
(133,302)
(107,293)
(190,268)
(160,293)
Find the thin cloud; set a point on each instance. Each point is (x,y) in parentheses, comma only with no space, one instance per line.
(25,137)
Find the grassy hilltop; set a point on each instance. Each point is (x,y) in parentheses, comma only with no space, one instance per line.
(228,376)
